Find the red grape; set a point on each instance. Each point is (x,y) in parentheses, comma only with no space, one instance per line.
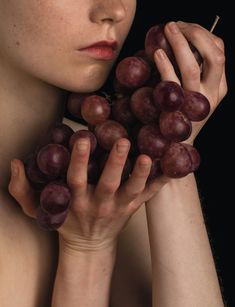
(53,160)
(58,133)
(109,132)
(168,96)
(196,106)
(142,105)
(176,162)
(155,170)
(121,111)
(95,109)
(175,126)
(151,142)
(132,72)
(49,221)
(55,197)
(74,104)
(194,155)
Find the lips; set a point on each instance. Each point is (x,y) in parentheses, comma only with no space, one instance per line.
(105,50)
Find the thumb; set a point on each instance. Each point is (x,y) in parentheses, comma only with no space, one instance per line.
(19,187)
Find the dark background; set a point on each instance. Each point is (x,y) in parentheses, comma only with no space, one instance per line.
(215,140)
(215,175)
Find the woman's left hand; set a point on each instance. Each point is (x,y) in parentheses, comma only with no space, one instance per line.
(210,79)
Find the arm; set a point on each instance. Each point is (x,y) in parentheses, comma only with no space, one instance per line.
(184,272)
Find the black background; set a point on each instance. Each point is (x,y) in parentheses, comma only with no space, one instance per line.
(215,175)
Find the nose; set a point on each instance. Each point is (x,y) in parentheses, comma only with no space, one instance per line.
(111,11)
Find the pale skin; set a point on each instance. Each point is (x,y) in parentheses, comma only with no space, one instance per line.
(182,274)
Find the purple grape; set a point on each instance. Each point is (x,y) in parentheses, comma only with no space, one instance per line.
(155,170)
(53,160)
(175,126)
(151,142)
(49,221)
(176,162)
(83,133)
(133,72)
(194,155)
(74,104)
(121,111)
(142,105)
(55,197)
(168,96)
(108,132)
(37,179)
(196,106)
(58,133)
(156,39)
(95,109)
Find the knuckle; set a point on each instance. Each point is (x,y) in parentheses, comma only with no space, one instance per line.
(196,32)
(108,187)
(76,183)
(219,42)
(219,58)
(192,71)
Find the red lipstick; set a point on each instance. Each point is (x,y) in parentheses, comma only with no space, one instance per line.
(104,50)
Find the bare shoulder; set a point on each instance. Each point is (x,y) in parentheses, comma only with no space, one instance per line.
(74,125)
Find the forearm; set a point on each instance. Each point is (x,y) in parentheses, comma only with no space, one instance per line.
(83,278)
(184,272)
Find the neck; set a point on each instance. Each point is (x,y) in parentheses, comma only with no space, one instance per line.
(27,109)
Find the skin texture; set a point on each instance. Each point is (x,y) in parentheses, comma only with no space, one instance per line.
(99,214)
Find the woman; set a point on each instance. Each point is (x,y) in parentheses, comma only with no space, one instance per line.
(42,56)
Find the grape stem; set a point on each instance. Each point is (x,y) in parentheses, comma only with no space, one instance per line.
(215,23)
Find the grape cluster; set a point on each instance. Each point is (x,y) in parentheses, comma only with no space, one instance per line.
(156,116)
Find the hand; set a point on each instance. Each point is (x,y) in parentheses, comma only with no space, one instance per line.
(98,213)
(211,81)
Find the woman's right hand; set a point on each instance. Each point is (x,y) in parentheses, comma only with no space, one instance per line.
(98,213)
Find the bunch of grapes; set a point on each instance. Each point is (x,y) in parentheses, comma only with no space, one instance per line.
(156,116)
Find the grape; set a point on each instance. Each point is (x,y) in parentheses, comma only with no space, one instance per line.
(95,109)
(49,221)
(151,142)
(55,197)
(168,96)
(74,104)
(143,107)
(83,133)
(120,89)
(176,162)
(175,126)
(155,170)
(109,132)
(196,106)
(58,133)
(53,160)
(121,111)
(132,72)
(37,179)
(156,39)
(194,155)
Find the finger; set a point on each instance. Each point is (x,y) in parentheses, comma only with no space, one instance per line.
(223,88)
(77,170)
(188,66)
(165,66)
(213,57)
(19,187)
(110,178)
(136,183)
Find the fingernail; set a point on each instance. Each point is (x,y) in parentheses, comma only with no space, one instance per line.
(144,165)
(14,169)
(82,147)
(181,23)
(160,54)
(173,27)
(122,148)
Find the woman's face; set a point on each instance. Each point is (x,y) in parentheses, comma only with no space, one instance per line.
(48,39)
